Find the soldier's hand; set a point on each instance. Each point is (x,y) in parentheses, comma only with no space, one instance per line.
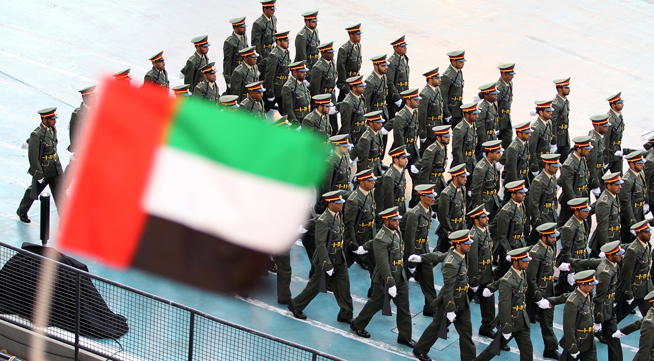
(392,291)
(598,327)
(497,133)
(618,334)
(422,140)
(271,99)
(469,193)
(565,267)
(414,169)
(434,215)
(535,173)
(630,301)
(474,289)
(508,258)
(416,258)
(330,272)
(619,153)
(229,85)
(447,119)
(571,278)
(302,230)
(398,103)
(605,166)
(40,181)
(544,304)
(596,191)
(360,251)
(384,131)
(412,270)
(332,111)
(554,148)
(451,316)
(499,166)
(575,355)
(506,336)
(486,293)
(306,82)
(646,208)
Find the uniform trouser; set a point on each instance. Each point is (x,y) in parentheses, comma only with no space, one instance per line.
(463,327)
(546,318)
(69,172)
(562,286)
(425,277)
(487,308)
(283,277)
(56,184)
(340,284)
(506,136)
(280,105)
(522,338)
(564,215)
(376,302)
(615,165)
(615,347)
(333,121)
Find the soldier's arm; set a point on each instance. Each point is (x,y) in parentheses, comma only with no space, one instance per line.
(399,127)
(591,160)
(389,191)
(410,234)
(380,250)
(425,165)
(434,257)
(533,160)
(569,326)
(457,148)
(511,163)
(587,263)
(566,244)
(322,233)
(634,326)
(449,279)
(33,156)
(602,216)
(287,100)
(271,72)
(443,212)
(362,151)
(300,47)
(626,207)
(368,90)
(228,53)
(315,78)
(446,83)
(198,92)
(503,221)
(422,117)
(601,290)
(533,201)
(189,76)
(351,211)
(346,118)
(72,131)
(532,281)
(558,300)
(236,82)
(475,187)
(504,305)
(393,94)
(256,35)
(340,67)
(473,263)
(627,270)
(566,181)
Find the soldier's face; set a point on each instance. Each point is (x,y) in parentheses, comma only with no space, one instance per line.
(358,90)
(159,65)
(585,152)
(311,24)
(587,288)
(250,60)
(506,77)
(211,77)
(614,259)
(444,140)
(518,197)
(335,207)
(581,214)
(375,126)
(617,107)
(549,241)
(524,136)
(283,43)
(367,185)
(202,49)
(89,100)
(491,97)
(328,55)
(545,114)
(269,11)
(464,248)
(551,170)
(481,221)
(355,38)
(637,167)
(522,265)
(381,69)
(240,30)
(413,102)
(456,64)
(602,129)
(461,180)
(49,122)
(428,201)
(495,156)
(256,95)
(402,161)
(434,81)
(614,188)
(645,236)
(400,50)
(301,75)
(392,224)
(345,149)
(565,91)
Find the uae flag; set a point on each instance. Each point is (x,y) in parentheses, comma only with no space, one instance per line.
(187,190)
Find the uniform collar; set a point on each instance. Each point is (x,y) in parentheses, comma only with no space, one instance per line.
(410,110)
(432,87)
(616,113)
(378,75)
(398,168)
(365,192)
(459,254)
(582,292)
(483,230)
(517,272)
(332,213)
(559,96)
(424,208)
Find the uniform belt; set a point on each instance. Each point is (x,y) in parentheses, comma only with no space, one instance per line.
(412,140)
(455,99)
(406,83)
(610,295)
(486,262)
(402,199)
(327,90)
(459,289)
(360,124)
(586,330)
(302,109)
(522,307)
(437,174)
(506,111)
(582,188)
(549,205)
(435,118)
(337,244)
(616,228)
(489,193)
(375,159)
(456,220)
(618,142)
(469,154)
(599,165)
(315,56)
(369,224)
(352,73)
(399,262)
(490,132)
(642,276)
(564,127)
(238,62)
(524,171)
(422,240)
(517,236)
(580,251)
(48,157)
(282,77)
(639,204)
(548,278)
(267,46)
(379,105)
(545,152)
(342,186)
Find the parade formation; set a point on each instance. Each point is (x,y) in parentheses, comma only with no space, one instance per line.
(513,202)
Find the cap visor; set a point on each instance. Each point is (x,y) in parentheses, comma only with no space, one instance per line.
(340,201)
(587,209)
(556,234)
(469,241)
(526,259)
(448,135)
(620,252)
(594,283)
(589,147)
(464,174)
(619,182)
(556,165)
(512,73)
(494,92)
(430,195)
(477,111)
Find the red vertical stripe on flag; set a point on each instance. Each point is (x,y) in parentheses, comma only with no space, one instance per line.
(104,217)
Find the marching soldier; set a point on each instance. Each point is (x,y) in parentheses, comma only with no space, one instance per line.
(79,118)
(348,63)
(318,119)
(511,225)
(646,327)
(228,102)
(405,132)
(597,155)
(452,88)
(504,100)
(541,201)
(377,87)
(322,78)
(398,76)
(337,176)
(328,258)
(486,179)
(465,139)
(561,117)
(277,72)
(45,166)
(182,91)
(307,40)
(513,321)
(353,109)
(578,319)
(634,202)
(607,210)
(389,278)
(574,242)
(123,76)
(394,180)
(433,161)
(648,169)
(574,176)
(193,69)
(635,282)
(607,275)
(540,141)
(452,206)
(452,304)
(430,110)
(253,104)
(247,72)
(517,156)
(369,147)
(487,126)
(360,220)
(158,75)
(295,94)
(263,30)
(208,89)
(613,136)
(235,42)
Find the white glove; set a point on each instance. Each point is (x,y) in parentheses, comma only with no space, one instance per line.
(508,258)
(619,153)
(434,215)
(565,267)
(330,272)
(618,334)
(474,289)
(533,113)
(271,99)
(332,111)
(360,251)
(300,128)
(554,148)
(476,98)
(535,173)
(574,355)
(384,131)
(412,270)
(633,232)
(596,191)
(486,292)
(422,140)
(181,75)
(646,208)
(630,301)
(497,132)
(301,230)
(558,187)
(602,254)
(40,181)
(598,327)
(392,291)
(229,85)
(414,169)
(499,166)
(306,82)
(415,258)
(469,193)
(447,119)
(571,278)
(258,74)
(605,166)
(506,336)
(544,304)
(399,102)
(451,316)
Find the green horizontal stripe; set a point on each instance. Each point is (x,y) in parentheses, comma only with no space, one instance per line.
(243,142)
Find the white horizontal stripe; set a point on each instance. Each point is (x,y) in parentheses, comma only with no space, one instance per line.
(239,207)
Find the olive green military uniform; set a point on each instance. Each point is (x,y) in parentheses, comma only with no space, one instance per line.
(416,239)
(306,46)
(455,221)
(596,160)
(276,75)
(298,109)
(209,92)
(504,101)
(464,142)
(613,140)
(398,80)
(480,274)
(607,274)
(394,184)
(430,114)
(453,298)
(375,93)
(405,132)
(319,123)
(388,249)
(262,37)
(645,344)
(339,173)
(192,74)
(484,187)
(512,216)
(517,163)
(512,315)
(78,122)
(352,111)
(579,338)
(327,257)
(357,234)
(574,243)
(560,123)
(231,58)
(648,170)
(633,197)
(638,260)
(486,126)
(242,76)
(574,183)
(256,108)
(322,80)
(542,191)
(348,64)
(157,77)
(607,213)
(369,152)
(452,90)
(47,168)
(539,143)
(432,166)
(540,281)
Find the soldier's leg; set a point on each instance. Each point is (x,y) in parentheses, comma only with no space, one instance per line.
(341,287)
(283,278)
(547,329)
(26,202)
(464,328)
(643,306)
(425,277)
(280,105)
(562,286)
(430,334)
(333,121)
(487,308)
(403,312)
(523,339)
(57,186)
(506,135)
(308,294)
(564,215)
(371,307)
(590,355)
(615,347)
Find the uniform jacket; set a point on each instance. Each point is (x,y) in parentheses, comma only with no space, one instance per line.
(543,185)
(581,337)
(517,161)
(231,58)
(369,152)
(41,168)
(375,93)
(296,99)
(204,91)
(452,89)
(542,131)
(157,77)
(398,76)
(276,71)
(352,52)
(262,35)
(464,141)
(388,249)
(306,46)
(192,74)
(430,111)
(242,76)
(255,108)
(364,203)
(329,255)
(353,122)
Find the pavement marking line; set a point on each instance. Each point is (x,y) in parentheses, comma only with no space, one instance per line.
(13,181)
(348,334)
(33,62)
(12,147)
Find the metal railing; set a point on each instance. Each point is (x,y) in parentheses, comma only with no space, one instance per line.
(118,322)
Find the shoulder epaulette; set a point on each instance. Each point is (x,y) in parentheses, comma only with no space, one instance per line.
(572,297)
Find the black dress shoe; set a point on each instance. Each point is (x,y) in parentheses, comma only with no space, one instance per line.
(601,338)
(421,356)
(284,302)
(296,313)
(344,320)
(506,348)
(551,354)
(360,333)
(369,292)
(489,334)
(408,342)
(427,313)
(23,217)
